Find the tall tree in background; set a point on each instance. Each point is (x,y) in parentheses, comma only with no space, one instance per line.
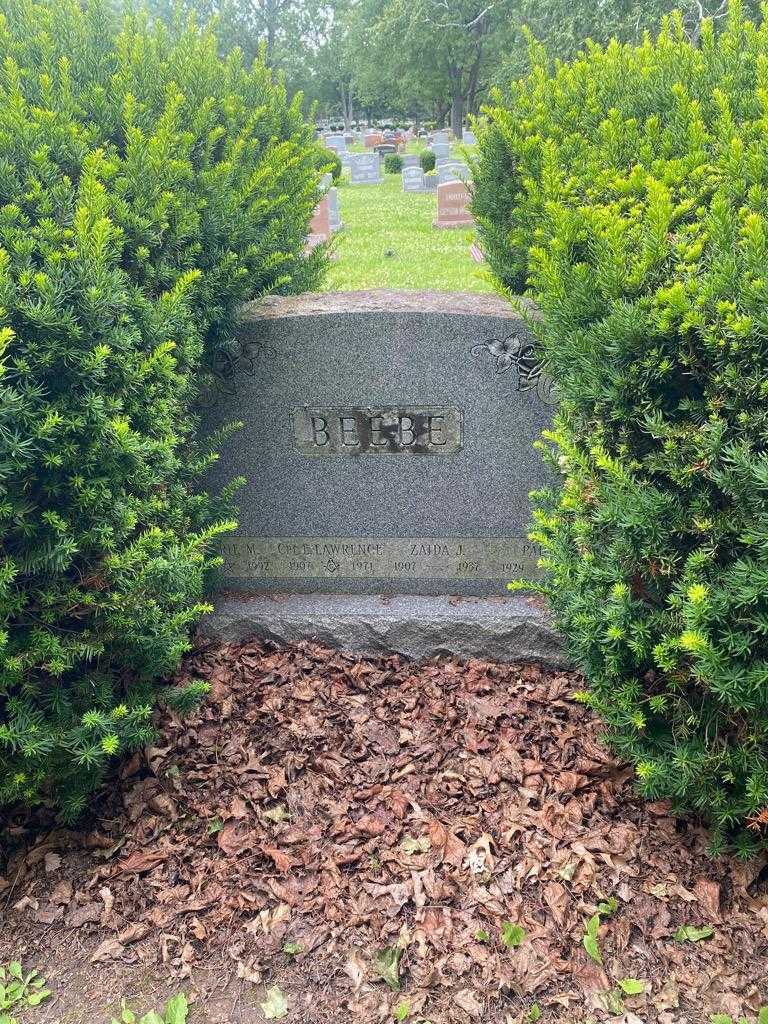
(286,30)
(335,72)
(422,57)
(564,25)
(438,50)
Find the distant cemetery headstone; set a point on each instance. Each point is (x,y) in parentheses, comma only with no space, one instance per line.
(413,179)
(441,138)
(326,181)
(385,149)
(442,161)
(411,160)
(336,142)
(453,200)
(334,217)
(320,225)
(430,182)
(454,170)
(469,138)
(365,169)
(387,445)
(441,149)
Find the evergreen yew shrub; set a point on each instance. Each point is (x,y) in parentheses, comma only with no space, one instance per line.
(393,163)
(146,189)
(327,160)
(427,161)
(643,203)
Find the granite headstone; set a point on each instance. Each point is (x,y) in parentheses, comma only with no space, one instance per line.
(320,225)
(387,444)
(365,169)
(413,179)
(453,200)
(454,170)
(334,217)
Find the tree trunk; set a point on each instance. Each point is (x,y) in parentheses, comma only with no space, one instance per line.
(346,106)
(457,109)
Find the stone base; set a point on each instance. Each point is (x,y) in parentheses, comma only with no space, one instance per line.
(513,628)
(453,223)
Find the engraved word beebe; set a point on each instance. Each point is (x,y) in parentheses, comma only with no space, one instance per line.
(404,430)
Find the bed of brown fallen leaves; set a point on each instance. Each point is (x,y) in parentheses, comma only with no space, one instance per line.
(341,806)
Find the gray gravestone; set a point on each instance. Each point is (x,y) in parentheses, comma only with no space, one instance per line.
(441,150)
(385,149)
(441,138)
(336,142)
(411,160)
(430,182)
(386,450)
(469,138)
(452,171)
(413,179)
(365,169)
(326,181)
(334,217)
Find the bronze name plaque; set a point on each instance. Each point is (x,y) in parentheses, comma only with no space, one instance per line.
(398,558)
(390,430)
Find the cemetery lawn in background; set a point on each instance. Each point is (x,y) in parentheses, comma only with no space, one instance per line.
(388,242)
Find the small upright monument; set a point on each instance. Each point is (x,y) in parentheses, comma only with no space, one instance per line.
(334,217)
(453,170)
(453,198)
(413,180)
(320,225)
(365,169)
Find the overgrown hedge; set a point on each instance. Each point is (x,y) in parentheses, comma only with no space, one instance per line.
(146,189)
(631,195)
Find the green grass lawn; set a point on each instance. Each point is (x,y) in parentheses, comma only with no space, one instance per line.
(388,242)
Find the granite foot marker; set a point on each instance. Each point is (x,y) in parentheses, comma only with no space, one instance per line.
(387,449)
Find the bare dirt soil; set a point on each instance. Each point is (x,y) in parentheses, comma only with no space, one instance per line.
(321,810)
